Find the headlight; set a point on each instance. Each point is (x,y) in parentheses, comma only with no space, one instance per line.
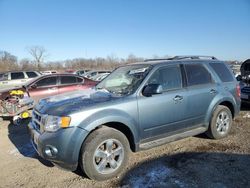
(53,123)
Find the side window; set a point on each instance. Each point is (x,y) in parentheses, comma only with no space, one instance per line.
(68,80)
(197,74)
(17,75)
(222,71)
(31,74)
(169,77)
(79,80)
(50,81)
(4,77)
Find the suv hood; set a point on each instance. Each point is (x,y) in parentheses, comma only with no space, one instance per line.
(65,104)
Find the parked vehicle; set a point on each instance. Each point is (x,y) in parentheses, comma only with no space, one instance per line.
(81,72)
(12,79)
(49,72)
(244,79)
(16,102)
(53,84)
(94,73)
(99,77)
(138,106)
(16,105)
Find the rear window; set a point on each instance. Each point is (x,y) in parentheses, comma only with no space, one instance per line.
(197,74)
(17,75)
(68,80)
(31,74)
(222,71)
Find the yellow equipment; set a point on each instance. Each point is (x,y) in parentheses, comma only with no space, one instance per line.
(16,92)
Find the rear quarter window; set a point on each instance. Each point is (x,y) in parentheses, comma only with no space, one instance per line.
(79,80)
(222,71)
(31,74)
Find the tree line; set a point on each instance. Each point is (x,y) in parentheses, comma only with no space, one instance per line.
(9,62)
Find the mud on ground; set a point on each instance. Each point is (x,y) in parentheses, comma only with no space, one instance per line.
(192,162)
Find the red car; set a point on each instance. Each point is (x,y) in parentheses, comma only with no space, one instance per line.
(49,85)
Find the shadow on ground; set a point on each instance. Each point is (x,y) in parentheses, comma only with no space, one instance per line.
(18,135)
(201,169)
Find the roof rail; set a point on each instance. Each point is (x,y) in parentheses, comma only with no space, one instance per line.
(160,59)
(184,57)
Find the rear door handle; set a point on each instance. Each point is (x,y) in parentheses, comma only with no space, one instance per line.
(178,98)
(213,91)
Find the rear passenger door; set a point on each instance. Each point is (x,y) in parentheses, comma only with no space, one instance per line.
(201,89)
(70,83)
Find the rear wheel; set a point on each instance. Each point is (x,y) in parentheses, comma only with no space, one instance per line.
(221,123)
(104,154)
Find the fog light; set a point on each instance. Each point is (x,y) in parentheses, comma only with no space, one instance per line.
(50,151)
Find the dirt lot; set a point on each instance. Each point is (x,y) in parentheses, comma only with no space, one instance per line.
(192,162)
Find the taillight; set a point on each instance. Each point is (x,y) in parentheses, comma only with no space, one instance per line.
(238,90)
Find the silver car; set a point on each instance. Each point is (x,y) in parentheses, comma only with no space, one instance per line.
(18,78)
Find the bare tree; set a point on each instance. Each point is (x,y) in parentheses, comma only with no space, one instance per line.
(39,54)
(26,64)
(7,61)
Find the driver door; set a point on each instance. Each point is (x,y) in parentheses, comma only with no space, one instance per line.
(163,113)
(43,88)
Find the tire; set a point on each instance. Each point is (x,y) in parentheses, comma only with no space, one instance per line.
(220,123)
(104,154)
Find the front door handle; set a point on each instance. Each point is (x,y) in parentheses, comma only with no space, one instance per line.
(213,91)
(178,98)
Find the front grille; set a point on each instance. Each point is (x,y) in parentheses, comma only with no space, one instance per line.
(245,90)
(37,121)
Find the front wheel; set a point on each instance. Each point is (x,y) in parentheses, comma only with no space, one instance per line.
(104,154)
(221,123)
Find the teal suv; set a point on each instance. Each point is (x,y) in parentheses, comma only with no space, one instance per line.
(138,106)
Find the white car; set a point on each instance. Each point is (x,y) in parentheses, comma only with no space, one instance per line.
(18,78)
(99,77)
(94,73)
(49,72)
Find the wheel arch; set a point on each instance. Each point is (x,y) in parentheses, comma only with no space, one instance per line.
(123,128)
(224,102)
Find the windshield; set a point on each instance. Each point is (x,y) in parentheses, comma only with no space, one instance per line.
(124,80)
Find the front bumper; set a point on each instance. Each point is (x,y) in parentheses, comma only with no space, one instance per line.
(61,147)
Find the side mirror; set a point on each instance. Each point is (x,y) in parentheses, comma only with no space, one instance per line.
(152,89)
(34,86)
(239,78)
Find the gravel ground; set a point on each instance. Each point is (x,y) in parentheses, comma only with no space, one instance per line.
(191,162)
